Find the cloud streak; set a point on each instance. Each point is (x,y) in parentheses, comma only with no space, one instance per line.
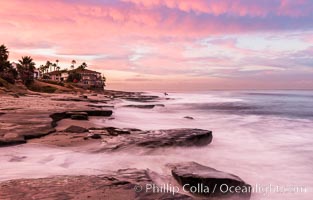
(204,39)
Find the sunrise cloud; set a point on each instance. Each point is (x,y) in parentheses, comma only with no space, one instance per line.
(205,39)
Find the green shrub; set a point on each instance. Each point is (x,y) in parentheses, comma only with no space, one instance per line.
(44,89)
(53,82)
(48,89)
(3,83)
(74,77)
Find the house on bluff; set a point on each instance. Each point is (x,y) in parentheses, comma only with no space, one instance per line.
(88,78)
(84,78)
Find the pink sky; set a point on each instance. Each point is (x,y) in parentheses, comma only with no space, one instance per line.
(169,45)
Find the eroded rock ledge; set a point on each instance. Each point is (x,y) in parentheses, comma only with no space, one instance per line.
(115,186)
(113,139)
(176,137)
(27,125)
(30,117)
(63,115)
(128,184)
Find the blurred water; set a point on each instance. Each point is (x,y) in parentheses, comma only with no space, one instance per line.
(264,137)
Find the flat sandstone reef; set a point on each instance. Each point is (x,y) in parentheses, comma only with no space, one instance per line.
(62,120)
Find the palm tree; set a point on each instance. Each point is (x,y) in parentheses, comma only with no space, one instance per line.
(54,66)
(26,68)
(57,61)
(7,72)
(42,69)
(58,68)
(48,65)
(27,63)
(83,66)
(4,55)
(73,64)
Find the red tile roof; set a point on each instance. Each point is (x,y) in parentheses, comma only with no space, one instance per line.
(55,73)
(85,71)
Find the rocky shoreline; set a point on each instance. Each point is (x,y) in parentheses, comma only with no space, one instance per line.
(62,120)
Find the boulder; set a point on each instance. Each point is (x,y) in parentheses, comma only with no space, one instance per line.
(206,181)
(177,137)
(140,106)
(76,129)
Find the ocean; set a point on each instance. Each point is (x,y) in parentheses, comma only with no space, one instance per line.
(264,137)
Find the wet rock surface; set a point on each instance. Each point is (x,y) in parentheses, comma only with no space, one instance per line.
(16,127)
(79,117)
(76,129)
(115,139)
(73,113)
(36,115)
(209,181)
(19,125)
(100,106)
(154,139)
(142,98)
(114,186)
(64,115)
(144,106)
(11,139)
(82,99)
(140,106)
(95,136)
(177,137)
(125,184)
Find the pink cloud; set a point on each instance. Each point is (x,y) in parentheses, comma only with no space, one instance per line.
(106,32)
(231,7)
(295,8)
